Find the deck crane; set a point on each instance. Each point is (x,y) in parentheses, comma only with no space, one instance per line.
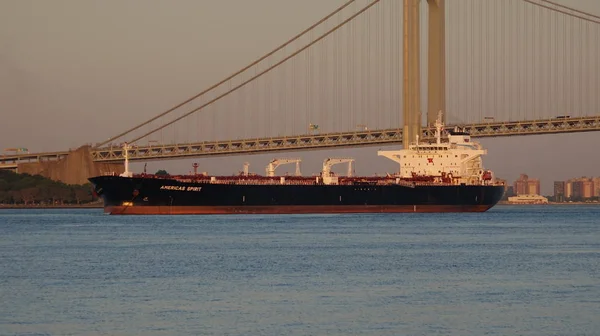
(278,162)
(328,163)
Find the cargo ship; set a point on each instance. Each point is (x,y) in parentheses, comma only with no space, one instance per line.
(440,176)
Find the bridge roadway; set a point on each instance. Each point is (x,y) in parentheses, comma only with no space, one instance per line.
(8,166)
(11,161)
(313,141)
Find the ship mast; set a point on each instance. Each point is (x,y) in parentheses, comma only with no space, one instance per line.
(126,173)
(439,125)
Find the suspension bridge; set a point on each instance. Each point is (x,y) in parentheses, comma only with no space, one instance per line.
(356,77)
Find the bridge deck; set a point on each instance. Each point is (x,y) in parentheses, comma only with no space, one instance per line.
(312,141)
(330,140)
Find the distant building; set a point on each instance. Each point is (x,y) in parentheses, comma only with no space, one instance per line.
(582,188)
(576,190)
(528,199)
(596,181)
(568,189)
(587,188)
(559,191)
(533,187)
(526,186)
(520,185)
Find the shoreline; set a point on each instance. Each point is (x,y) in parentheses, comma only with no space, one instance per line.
(61,206)
(100,205)
(550,203)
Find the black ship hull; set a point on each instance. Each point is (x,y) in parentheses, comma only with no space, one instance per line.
(142,195)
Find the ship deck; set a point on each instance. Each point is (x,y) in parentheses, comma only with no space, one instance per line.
(307,180)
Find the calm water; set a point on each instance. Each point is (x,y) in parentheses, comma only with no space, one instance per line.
(514,270)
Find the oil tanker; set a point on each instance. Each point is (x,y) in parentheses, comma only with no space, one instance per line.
(441,176)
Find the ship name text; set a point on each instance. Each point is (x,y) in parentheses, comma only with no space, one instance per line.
(180,188)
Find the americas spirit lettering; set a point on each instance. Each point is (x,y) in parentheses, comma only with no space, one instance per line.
(180,188)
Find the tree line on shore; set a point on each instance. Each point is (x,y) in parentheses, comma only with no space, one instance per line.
(35,189)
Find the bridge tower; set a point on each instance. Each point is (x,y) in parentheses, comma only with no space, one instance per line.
(411,71)
(436,61)
(436,74)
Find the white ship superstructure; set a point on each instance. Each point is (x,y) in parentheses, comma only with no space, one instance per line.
(457,161)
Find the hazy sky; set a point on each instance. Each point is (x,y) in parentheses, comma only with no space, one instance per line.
(77,71)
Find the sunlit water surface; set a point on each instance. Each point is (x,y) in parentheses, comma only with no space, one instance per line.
(528,270)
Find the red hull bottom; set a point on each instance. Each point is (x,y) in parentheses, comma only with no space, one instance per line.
(296,209)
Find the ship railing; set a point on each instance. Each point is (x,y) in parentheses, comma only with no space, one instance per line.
(406,184)
(310,181)
(423,183)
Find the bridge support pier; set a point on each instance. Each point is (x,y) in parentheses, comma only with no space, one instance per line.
(75,168)
(412,73)
(436,61)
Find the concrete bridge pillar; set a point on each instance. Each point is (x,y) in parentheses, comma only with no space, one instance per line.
(436,67)
(75,168)
(411,73)
(436,63)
